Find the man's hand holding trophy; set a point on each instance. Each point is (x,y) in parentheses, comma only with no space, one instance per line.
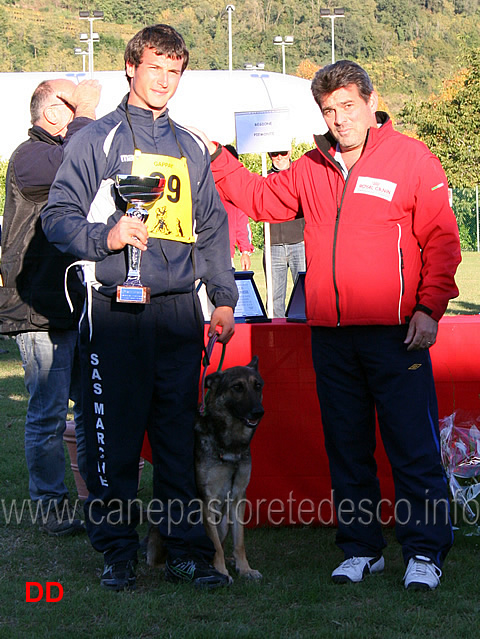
(131,230)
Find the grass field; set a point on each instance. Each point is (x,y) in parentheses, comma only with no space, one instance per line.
(296,598)
(468,282)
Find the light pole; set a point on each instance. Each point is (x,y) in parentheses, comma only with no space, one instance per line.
(260,66)
(230,8)
(79,51)
(286,41)
(94,37)
(337,13)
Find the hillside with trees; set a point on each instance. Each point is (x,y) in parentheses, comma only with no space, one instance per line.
(408,46)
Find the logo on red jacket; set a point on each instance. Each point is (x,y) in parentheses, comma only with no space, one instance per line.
(375,187)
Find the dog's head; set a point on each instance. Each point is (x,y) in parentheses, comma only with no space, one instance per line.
(237,390)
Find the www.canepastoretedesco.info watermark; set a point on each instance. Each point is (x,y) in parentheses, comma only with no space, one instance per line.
(274,512)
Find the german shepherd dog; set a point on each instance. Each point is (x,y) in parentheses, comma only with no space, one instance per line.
(233,410)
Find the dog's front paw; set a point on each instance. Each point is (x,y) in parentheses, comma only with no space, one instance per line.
(250,574)
(219,564)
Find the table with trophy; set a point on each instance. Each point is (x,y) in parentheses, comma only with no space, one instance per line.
(290,468)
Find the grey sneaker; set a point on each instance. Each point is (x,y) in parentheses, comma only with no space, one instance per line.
(60,519)
(355,569)
(422,574)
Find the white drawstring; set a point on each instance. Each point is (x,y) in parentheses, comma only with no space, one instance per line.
(88,285)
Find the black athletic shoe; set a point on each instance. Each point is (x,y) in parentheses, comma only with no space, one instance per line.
(196,572)
(119,576)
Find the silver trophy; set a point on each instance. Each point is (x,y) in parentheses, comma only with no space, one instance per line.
(137,190)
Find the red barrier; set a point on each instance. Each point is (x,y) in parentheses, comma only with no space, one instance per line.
(290,481)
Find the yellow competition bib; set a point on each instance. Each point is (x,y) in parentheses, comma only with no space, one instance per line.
(169,217)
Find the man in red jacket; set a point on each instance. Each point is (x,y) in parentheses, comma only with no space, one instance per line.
(382,250)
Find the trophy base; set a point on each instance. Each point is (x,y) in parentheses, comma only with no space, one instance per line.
(133,294)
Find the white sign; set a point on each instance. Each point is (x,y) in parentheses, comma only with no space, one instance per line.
(263,131)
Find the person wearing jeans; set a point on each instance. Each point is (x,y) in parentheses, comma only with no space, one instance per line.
(48,362)
(285,257)
(287,245)
(33,305)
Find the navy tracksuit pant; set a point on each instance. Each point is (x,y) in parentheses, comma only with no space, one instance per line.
(360,370)
(140,372)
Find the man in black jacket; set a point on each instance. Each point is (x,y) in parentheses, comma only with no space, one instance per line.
(287,245)
(33,305)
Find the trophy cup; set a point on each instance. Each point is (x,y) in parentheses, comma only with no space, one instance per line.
(137,190)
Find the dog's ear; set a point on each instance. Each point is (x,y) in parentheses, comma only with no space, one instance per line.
(212,380)
(254,363)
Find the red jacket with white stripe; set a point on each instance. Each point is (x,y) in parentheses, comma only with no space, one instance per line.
(380,244)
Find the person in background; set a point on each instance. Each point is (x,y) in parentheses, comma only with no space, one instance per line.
(287,244)
(33,306)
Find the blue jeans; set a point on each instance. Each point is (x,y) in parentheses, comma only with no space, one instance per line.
(284,257)
(51,378)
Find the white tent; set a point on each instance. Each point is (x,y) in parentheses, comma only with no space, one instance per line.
(206,100)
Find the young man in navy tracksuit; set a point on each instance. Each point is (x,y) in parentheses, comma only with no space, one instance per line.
(141,361)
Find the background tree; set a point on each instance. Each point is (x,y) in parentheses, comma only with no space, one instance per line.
(448,123)
(407,46)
